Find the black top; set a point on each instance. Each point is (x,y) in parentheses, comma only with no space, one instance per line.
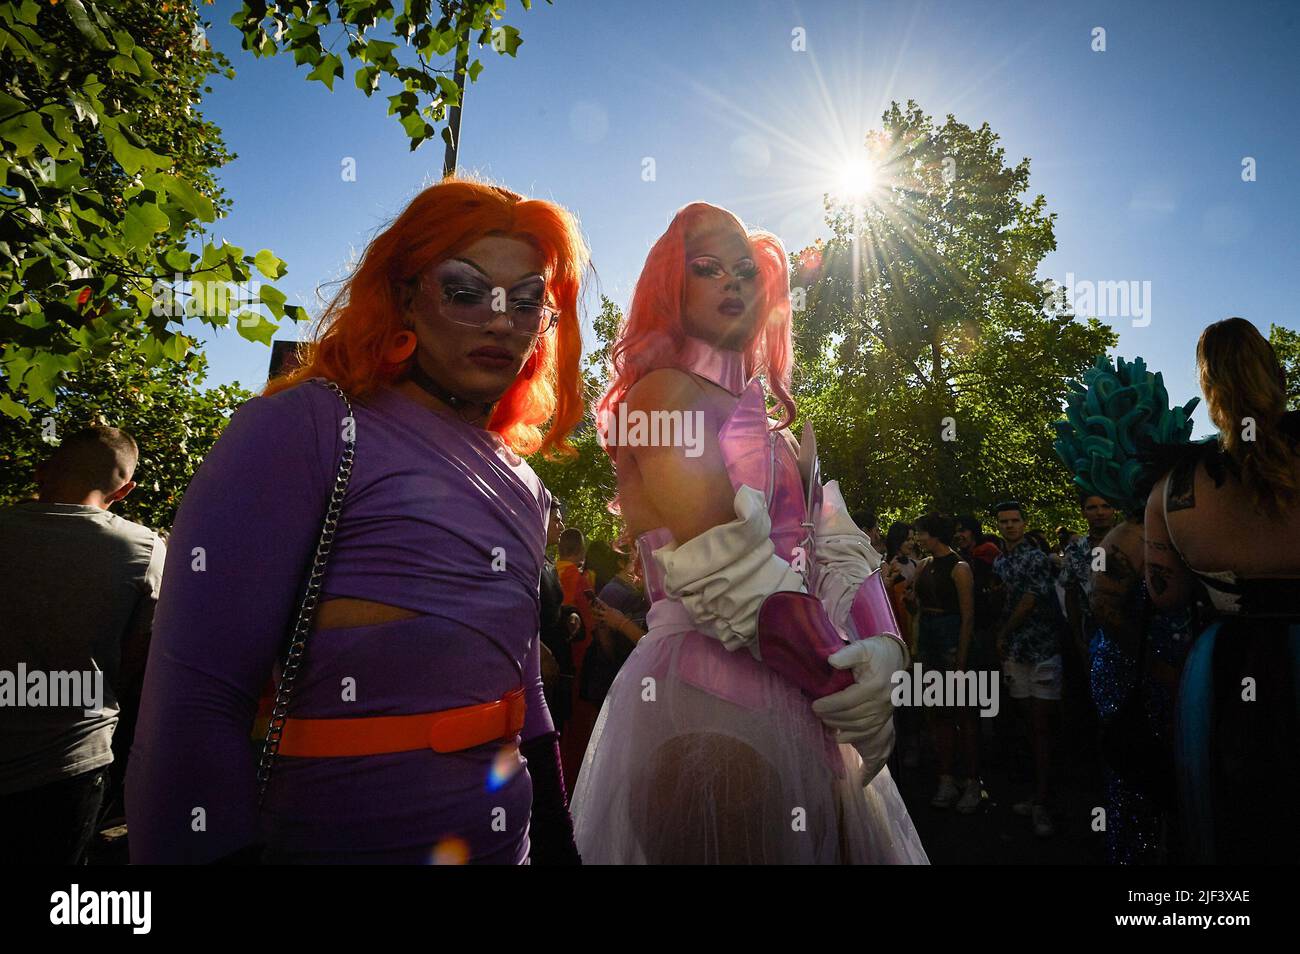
(935,588)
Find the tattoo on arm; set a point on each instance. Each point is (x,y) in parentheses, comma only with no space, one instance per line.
(1114,593)
(1118,566)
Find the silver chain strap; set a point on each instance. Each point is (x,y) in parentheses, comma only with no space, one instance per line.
(307,609)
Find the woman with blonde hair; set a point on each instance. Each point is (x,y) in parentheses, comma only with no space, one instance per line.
(1224,521)
(408,724)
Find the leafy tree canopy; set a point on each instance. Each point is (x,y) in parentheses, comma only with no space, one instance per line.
(1286,343)
(106,180)
(401,41)
(928,356)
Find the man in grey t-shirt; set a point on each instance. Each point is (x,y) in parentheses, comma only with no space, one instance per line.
(78,586)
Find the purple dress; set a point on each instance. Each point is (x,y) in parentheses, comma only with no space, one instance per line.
(440,518)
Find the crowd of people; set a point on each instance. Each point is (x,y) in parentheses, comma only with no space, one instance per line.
(593,613)
(1009,602)
(432,685)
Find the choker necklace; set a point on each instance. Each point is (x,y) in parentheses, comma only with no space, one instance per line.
(723,367)
(430,386)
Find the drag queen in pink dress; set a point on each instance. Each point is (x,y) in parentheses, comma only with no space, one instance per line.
(753,721)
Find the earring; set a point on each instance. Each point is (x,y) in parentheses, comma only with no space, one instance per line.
(402,348)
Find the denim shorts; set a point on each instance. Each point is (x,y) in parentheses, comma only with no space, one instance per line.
(937,640)
(1036,680)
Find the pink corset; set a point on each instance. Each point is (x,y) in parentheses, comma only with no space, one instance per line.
(756,457)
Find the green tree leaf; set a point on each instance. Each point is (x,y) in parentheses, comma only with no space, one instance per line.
(132,158)
(81,20)
(255,327)
(329,67)
(273,298)
(269,264)
(141,223)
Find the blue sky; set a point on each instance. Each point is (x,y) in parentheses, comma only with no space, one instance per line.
(1138,149)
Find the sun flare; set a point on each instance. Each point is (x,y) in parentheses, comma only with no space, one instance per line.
(855,178)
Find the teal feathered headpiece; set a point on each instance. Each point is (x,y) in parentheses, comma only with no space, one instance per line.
(1116,412)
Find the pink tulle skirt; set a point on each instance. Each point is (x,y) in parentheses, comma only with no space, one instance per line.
(704,756)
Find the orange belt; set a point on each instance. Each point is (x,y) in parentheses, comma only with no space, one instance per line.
(450,730)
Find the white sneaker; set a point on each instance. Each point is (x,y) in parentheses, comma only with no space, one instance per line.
(1043,826)
(1023,808)
(971,795)
(946,794)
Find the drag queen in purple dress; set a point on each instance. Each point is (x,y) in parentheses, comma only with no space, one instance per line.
(752,722)
(417,730)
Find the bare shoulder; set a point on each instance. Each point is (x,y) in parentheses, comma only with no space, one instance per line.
(663,389)
(1126,535)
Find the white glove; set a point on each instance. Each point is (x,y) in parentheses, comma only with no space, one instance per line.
(863,714)
(843,554)
(723,575)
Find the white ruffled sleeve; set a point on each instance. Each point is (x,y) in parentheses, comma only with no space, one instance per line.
(843,553)
(723,575)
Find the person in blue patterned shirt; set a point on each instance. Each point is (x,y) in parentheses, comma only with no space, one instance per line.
(1028,641)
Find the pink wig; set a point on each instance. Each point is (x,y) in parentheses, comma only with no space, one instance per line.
(651,334)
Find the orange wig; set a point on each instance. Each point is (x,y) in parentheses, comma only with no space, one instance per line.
(358,328)
(652,333)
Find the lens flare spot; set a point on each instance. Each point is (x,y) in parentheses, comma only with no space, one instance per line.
(504,767)
(450,851)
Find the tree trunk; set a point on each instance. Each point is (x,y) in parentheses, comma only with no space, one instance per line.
(453,114)
(948,479)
